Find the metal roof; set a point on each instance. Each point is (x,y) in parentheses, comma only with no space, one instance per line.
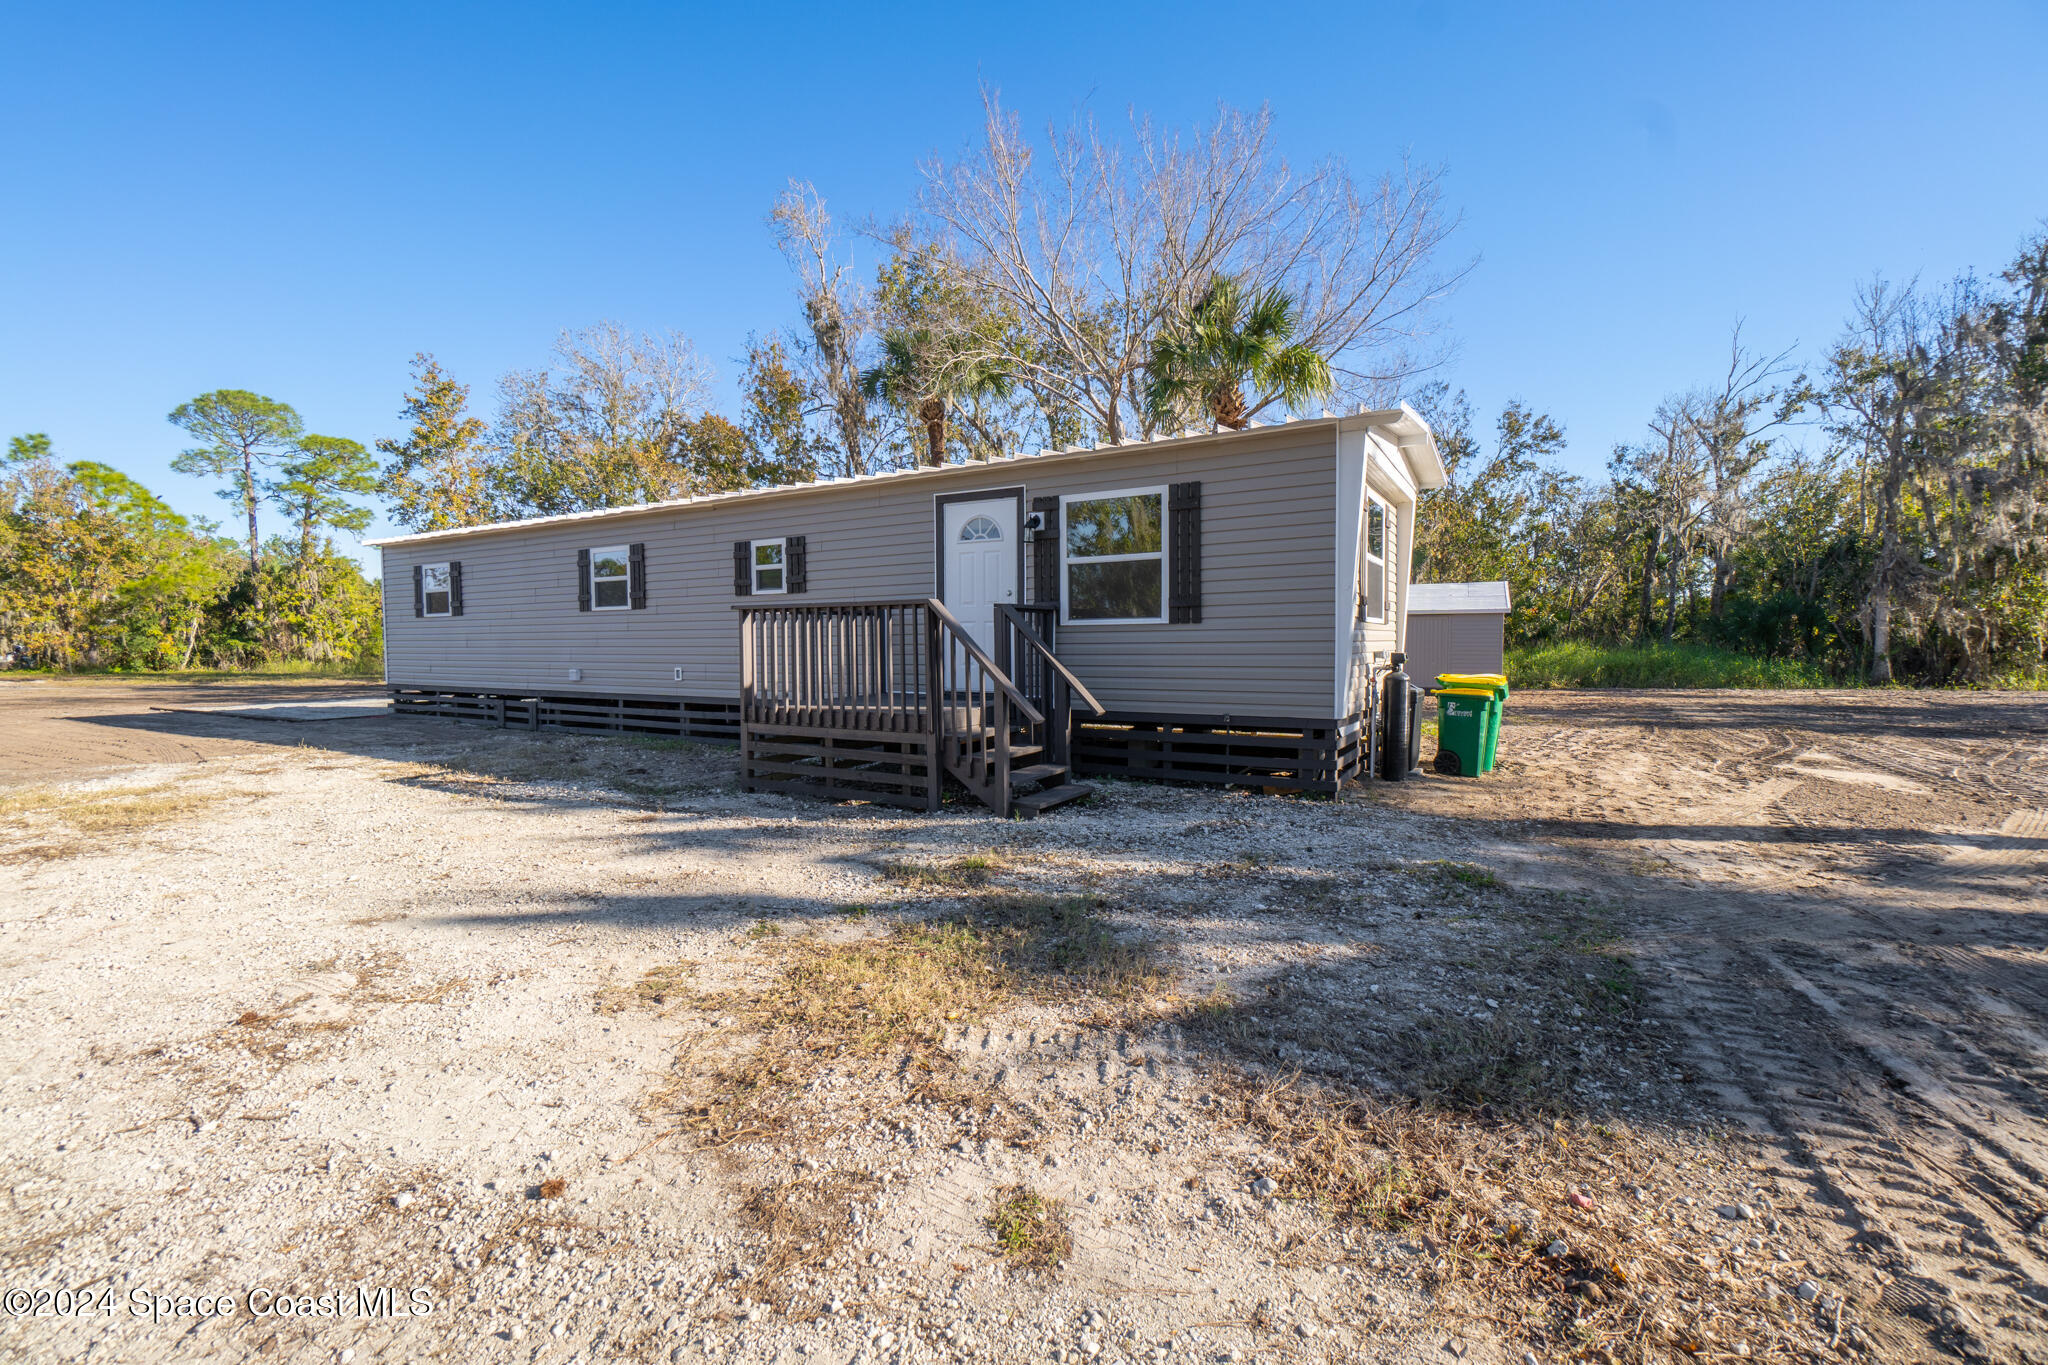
(1439,599)
(1402,423)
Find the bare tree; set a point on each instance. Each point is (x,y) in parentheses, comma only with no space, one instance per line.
(610,429)
(1757,395)
(1668,476)
(837,320)
(1881,384)
(1111,242)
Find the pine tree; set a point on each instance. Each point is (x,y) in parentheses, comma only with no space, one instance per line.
(439,476)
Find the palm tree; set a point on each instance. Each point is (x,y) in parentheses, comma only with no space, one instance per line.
(914,374)
(1230,338)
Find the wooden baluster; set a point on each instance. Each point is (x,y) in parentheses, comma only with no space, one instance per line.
(750,666)
(999,739)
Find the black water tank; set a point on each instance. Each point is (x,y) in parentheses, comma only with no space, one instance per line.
(1396,707)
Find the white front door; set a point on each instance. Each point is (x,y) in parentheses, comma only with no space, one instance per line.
(978,559)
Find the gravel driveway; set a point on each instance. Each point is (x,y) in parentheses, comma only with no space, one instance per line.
(1709,1028)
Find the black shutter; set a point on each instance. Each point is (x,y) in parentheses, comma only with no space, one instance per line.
(583,580)
(419,591)
(455,587)
(1184,554)
(743,567)
(636,585)
(796,574)
(1045,554)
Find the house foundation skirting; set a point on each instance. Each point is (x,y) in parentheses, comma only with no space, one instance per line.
(1233,751)
(838,765)
(715,720)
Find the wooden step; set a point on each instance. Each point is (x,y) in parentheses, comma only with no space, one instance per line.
(1037,772)
(1038,803)
(1026,750)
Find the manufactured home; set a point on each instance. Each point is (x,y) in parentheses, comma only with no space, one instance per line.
(1210,608)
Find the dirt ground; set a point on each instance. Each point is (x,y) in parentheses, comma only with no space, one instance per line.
(1711,1027)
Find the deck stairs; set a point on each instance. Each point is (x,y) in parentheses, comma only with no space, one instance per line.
(881,700)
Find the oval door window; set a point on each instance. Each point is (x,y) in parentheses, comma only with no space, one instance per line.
(981,528)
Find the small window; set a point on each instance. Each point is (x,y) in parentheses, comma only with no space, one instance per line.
(437,589)
(1372,602)
(611,578)
(981,528)
(1115,556)
(770,567)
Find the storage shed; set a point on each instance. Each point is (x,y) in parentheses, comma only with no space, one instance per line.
(1455,628)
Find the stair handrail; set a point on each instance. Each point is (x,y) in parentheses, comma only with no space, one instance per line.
(1030,637)
(980,656)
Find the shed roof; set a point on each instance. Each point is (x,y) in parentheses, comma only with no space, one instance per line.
(1439,599)
(1403,425)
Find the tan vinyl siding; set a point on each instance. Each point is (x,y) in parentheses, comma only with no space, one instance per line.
(1263,647)
(1453,642)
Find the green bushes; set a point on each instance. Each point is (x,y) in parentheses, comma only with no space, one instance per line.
(1572,664)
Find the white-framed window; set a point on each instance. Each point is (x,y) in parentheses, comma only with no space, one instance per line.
(1113,553)
(611,578)
(981,528)
(771,567)
(437,590)
(1372,545)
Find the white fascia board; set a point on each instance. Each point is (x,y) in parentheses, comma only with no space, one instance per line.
(1391,462)
(1405,427)
(1404,555)
(1351,458)
(966,473)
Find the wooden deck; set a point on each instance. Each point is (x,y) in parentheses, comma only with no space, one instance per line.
(883,701)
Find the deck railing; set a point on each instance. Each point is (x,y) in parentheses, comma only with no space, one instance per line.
(905,668)
(839,665)
(1026,640)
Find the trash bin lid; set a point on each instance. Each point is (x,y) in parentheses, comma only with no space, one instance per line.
(1472,679)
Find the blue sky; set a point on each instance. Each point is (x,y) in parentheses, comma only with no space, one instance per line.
(295,199)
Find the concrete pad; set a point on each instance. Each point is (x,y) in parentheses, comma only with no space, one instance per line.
(338,708)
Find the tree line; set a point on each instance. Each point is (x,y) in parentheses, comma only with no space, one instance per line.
(97,571)
(1076,288)
(1878,511)
(1881,513)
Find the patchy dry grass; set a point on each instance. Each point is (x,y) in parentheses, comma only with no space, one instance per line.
(894,995)
(1465,874)
(1030,1229)
(1502,1210)
(96,815)
(1524,1058)
(802,1220)
(969,873)
(653,991)
(900,990)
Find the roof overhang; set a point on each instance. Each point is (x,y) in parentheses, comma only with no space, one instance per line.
(1490,598)
(1405,427)
(1402,425)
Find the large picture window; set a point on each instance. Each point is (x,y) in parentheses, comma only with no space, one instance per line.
(1115,555)
(437,589)
(1373,600)
(611,578)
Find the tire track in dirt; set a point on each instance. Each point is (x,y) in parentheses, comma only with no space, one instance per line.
(1836,1005)
(1916,1160)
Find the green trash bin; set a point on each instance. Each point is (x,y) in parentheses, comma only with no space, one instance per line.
(1462,715)
(1495,683)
